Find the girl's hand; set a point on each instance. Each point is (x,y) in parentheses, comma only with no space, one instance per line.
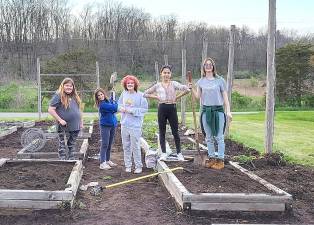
(190,85)
(229,115)
(62,122)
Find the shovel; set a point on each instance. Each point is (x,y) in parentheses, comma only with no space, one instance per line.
(199,159)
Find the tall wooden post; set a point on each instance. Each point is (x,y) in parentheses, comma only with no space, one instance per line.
(271,77)
(204,52)
(156,71)
(230,69)
(166,59)
(38,88)
(183,80)
(97,75)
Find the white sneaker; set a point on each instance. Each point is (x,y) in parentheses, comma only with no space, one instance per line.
(180,157)
(128,169)
(104,166)
(163,157)
(110,163)
(138,170)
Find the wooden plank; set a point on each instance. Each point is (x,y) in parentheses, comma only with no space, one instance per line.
(28,124)
(191,152)
(260,180)
(144,144)
(75,177)
(83,149)
(6,194)
(280,207)
(44,155)
(29,204)
(234,198)
(10,130)
(3,161)
(91,127)
(194,142)
(171,182)
(40,160)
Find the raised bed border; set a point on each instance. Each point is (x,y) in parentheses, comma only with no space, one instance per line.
(7,132)
(81,154)
(222,201)
(81,135)
(40,199)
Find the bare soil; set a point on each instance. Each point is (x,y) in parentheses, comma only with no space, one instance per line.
(49,176)
(147,201)
(228,180)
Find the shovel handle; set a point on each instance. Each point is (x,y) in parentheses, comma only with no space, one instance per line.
(189,78)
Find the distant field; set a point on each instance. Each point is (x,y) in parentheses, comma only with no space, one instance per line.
(248,88)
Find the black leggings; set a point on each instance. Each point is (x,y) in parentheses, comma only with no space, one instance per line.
(168,112)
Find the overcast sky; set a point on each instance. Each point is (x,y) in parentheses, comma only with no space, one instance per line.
(295,15)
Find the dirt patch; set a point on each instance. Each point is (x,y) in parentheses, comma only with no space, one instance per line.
(35,175)
(228,180)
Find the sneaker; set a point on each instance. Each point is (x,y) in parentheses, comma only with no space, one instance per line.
(110,163)
(180,157)
(128,169)
(163,157)
(138,170)
(104,166)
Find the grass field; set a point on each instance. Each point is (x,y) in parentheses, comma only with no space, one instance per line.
(294,132)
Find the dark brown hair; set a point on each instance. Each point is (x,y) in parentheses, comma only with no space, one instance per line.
(166,67)
(97,102)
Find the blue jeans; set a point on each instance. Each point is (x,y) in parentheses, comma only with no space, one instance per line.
(219,138)
(107,135)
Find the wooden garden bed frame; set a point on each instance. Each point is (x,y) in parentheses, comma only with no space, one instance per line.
(41,199)
(8,131)
(81,154)
(24,124)
(223,201)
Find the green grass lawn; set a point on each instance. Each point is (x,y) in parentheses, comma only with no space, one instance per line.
(294,133)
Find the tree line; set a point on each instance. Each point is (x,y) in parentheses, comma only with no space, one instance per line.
(124,39)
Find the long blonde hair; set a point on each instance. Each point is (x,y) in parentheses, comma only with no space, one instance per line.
(65,98)
(203,66)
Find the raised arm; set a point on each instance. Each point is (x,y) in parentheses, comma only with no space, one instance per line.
(105,106)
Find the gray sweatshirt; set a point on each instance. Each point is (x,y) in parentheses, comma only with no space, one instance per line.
(137,105)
